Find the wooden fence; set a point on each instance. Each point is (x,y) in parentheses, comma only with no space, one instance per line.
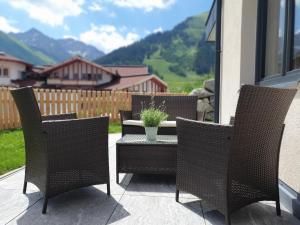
(85,103)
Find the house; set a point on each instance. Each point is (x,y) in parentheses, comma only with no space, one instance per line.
(78,73)
(258,42)
(135,79)
(12,69)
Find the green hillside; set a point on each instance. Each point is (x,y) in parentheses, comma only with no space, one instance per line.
(181,56)
(16,48)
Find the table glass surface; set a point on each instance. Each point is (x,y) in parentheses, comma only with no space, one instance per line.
(141,139)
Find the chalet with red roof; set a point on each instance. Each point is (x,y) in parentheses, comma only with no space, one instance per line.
(79,73)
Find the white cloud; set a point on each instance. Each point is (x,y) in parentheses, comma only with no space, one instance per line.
(51,12)
(66,27)
(158,30)
(147,5)
(147,32)
(5,26)
(95,7)
(107,37)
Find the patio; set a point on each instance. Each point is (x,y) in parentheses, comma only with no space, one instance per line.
(139,199)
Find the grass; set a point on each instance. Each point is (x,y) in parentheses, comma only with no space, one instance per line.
(114,128)
(12,154)
(11,150)
(175,82)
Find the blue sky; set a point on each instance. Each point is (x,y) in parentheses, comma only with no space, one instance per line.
(106,24)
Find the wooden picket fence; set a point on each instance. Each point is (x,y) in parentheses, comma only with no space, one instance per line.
(85,103)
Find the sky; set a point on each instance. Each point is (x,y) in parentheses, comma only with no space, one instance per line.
(105,24)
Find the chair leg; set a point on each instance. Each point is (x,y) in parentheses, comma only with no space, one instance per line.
(177,195)
(24,187)
(278,210)
(45,205)
(108,188)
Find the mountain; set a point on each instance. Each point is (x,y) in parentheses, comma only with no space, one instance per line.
(74,47)
(60,49)
(14,47)
(180,56)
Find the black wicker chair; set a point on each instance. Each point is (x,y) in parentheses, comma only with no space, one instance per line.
(231,166)
(176,106)
(62,152)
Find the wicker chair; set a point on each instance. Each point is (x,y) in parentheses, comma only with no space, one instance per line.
(182,106)
(62,152)
(231,166)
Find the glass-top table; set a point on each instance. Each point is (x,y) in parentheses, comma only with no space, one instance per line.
(137,155)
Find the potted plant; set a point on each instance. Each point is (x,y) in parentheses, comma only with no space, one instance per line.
(152,117)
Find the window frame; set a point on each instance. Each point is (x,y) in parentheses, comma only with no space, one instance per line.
(288,74)
(5,72)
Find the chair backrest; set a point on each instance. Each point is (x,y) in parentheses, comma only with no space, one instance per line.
(175,106)
(258,127)
(29,114)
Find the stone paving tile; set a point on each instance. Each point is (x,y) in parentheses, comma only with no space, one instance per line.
(137,200)
(88,206)
(13,202)
(136,210)
(154,185)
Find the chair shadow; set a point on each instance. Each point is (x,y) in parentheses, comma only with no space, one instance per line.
(81,206)
(152,183)
(254,214)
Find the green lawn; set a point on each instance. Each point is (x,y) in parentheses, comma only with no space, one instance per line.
(12,148)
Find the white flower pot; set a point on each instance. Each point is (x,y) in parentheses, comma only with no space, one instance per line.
(151,133)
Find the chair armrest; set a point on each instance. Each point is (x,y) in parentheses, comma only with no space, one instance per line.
(125,115)
(59,117)
(79,141)
(204,145)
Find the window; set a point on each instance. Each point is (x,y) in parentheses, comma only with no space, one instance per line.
(75,76)
(66,76)
(99,76)
(0,71)
(89,76)
(275,37)
(278,39)
(55,75)
(5,72)
(296,38)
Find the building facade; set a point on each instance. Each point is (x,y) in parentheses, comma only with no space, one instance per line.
(12,69)
(258,42)
(78,73)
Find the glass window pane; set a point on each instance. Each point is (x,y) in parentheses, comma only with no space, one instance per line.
(296,49)
(275,37)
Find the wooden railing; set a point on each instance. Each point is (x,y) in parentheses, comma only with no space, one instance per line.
(85,103)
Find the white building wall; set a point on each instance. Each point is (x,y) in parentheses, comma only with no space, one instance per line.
(14,70)
(238,52)
(82,68)
(238,67)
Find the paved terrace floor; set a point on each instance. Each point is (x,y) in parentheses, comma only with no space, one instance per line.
(138,200)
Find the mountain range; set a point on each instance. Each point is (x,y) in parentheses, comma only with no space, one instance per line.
(57,49)
(180,56)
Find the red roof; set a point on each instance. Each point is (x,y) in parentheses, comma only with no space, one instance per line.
(9,58)
(76,59)
(125,71)
(126,82)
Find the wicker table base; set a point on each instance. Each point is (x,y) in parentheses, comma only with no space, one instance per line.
(137,155)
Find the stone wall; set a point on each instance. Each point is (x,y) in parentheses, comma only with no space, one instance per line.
(206,98)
